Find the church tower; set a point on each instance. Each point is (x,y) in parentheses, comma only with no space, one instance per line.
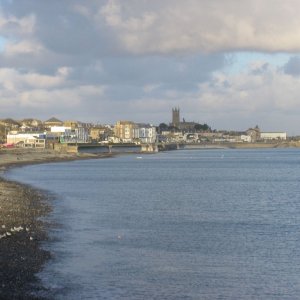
(175,116)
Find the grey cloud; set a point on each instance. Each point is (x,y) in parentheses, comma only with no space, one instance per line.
(115,27)
(61,29)
(148,56)
(181,72)
(292,67)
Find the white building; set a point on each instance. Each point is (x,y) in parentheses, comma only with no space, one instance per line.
(77,135)
(145,133)
(27,140)
(59,129)
(273,135)
(246,138)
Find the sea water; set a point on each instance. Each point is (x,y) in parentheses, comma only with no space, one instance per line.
(187,224)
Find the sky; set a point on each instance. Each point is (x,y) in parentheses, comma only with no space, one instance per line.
(230,64)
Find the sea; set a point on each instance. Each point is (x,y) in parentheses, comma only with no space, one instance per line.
(185,224)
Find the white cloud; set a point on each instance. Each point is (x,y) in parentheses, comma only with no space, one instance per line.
(64,71)
(250,92)
(34,91)
(57,99)
(22,47)
(11,79)
(75,56)
(207,26)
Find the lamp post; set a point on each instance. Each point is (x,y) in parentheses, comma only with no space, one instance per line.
(5,134)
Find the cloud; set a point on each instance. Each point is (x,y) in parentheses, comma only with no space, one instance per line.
(136,59)
(172,26)
(37,94)
(268,97)
(11,25)
(23,47)
(261,94)
(115,27)
(11,79)
(292,67)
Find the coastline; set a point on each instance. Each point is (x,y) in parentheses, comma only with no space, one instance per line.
(21,229)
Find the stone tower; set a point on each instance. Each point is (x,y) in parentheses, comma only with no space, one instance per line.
(175,116)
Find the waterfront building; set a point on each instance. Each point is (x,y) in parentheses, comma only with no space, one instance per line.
(273,135)
(254,133)
(128,131)
(94,133)
(69,134)
(27,140)
(145,133)
(245,138)
(100,133)
(77,135)
(124,130)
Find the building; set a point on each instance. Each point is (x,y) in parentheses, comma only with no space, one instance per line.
(59,129)
(53,122)
(72,124)
(187,126)
(100,133)
(27,140)
(175,117)
(145,133)
(95,133)
(245,138)
(273,135)
(184,126)
(124,130)
(31,125)
(254,134)
(77,135)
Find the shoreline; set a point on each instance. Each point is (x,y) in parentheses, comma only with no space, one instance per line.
(20,157)
(22,232)
(22,227)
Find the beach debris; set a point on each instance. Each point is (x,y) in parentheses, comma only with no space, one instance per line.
(17,229)
(8,233)
(3,226)
(31,238)
(2,236)
(27,229)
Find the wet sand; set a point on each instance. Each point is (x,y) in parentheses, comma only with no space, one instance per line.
(22,229)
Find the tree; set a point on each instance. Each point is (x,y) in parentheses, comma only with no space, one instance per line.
(202,127)
(163,127)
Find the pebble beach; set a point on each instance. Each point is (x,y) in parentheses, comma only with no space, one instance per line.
(22,228)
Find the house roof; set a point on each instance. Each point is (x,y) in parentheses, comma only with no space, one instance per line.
(53,120)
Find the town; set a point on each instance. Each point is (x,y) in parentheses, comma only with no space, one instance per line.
(33,133)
